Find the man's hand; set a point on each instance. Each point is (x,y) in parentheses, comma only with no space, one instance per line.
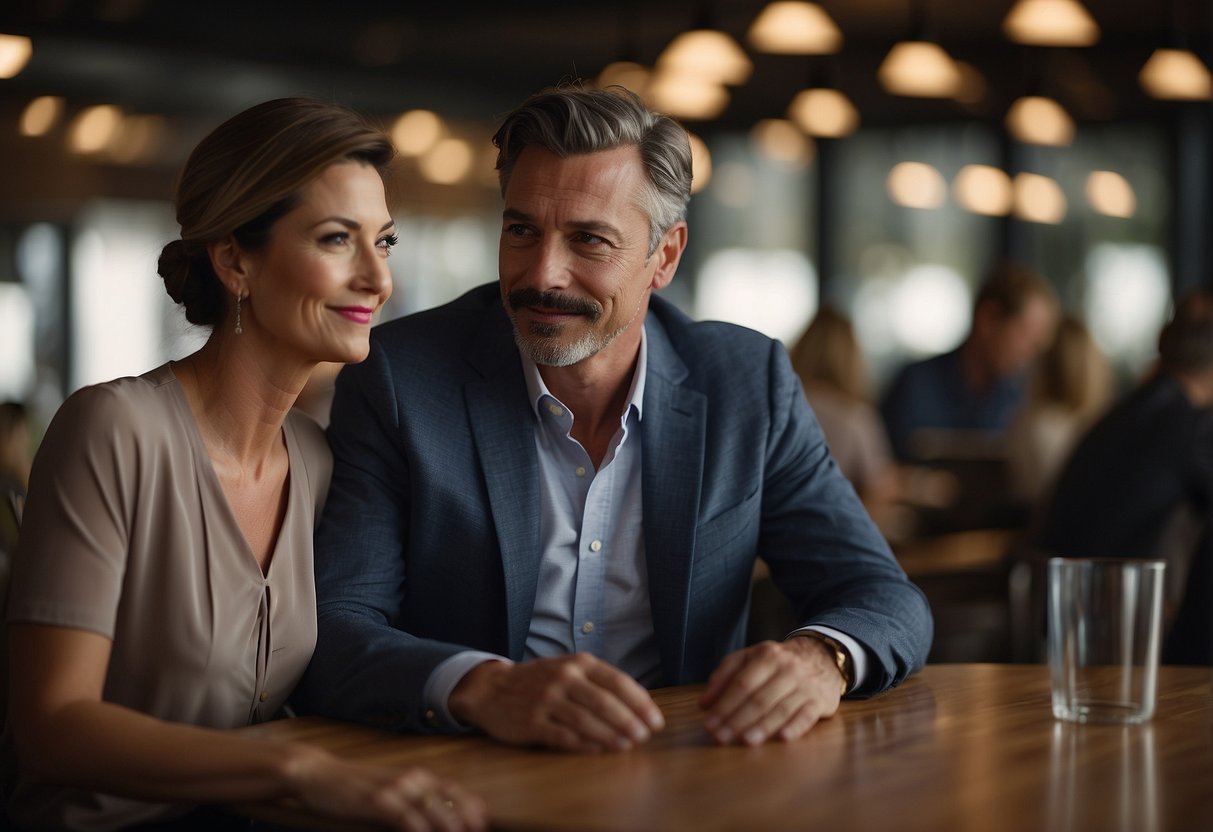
(575,703)
(772,690)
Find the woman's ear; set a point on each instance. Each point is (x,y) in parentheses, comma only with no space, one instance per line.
(231,263)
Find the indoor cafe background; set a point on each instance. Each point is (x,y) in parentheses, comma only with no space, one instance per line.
(877,155)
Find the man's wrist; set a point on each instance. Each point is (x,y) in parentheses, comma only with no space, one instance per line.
(837,654)
(470,690)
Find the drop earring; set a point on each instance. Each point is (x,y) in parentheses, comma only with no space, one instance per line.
(238,328)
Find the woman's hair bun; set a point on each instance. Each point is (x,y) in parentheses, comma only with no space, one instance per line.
(174,267)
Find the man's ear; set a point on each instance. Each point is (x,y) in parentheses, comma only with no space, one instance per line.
(669,252)
(232,265)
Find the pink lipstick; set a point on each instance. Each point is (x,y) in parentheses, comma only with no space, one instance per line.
(357,314)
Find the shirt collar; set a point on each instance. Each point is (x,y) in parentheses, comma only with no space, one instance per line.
(536,389)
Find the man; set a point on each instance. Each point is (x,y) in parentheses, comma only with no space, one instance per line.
(1140,483)
(980,385)
(549,494)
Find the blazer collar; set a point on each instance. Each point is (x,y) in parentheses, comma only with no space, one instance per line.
(504,432)
(673,431)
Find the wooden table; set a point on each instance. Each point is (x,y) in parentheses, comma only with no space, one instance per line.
(956,747)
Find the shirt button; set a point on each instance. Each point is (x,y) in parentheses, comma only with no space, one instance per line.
(264,696)
(595,545)
(587,627)
(580,471)
(555,410)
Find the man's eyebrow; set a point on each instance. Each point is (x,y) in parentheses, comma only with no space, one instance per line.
(596,227)
(593,226)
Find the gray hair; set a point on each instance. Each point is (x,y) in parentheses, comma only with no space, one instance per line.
(570,121)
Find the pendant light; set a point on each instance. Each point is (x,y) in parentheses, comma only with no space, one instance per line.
(1050,23)
(919,67)
(791,27)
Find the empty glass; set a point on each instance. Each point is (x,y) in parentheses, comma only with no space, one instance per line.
(1105,617)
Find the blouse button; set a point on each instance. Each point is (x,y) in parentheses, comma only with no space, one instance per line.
(264,696)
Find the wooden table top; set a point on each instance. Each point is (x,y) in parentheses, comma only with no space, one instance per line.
(956,747)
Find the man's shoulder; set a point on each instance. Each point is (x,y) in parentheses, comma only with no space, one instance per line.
(712,345)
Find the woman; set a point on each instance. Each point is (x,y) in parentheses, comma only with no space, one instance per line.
(163,584)
(1071,387)
(831,368)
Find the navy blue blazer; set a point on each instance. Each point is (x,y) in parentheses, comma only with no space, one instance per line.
(429,541)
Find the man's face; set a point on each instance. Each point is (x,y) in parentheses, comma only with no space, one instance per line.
(574,263)
(1019,339)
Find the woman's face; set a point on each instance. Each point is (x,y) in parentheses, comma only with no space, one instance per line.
(313,289)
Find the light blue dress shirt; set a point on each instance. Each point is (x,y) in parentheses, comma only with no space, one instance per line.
(593,593)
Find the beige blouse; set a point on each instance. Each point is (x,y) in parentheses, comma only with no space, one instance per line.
(127,533)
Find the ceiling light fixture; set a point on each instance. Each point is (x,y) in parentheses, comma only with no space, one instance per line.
(1050,23)
(984,189)
(1176,75)
(1110,194)
(782,141)
(416,131)
(701,164)
(709,54)
(916,185)
(15,52)
(791,27)
(687,95)
(1039,199)
(1035,119)
(627,74)
(919,67)
(824,112)
(94,128)
(447,162)
(41,115)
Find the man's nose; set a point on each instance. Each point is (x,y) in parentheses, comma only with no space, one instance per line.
(549,266)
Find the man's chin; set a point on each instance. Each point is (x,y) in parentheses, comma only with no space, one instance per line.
(553,351)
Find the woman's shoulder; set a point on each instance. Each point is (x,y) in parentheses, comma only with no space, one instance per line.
(139,402)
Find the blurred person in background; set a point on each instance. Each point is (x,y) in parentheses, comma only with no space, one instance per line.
(831,367)
(15,461)
(1145,467)
(974,392)
(163,585)
(1070,387)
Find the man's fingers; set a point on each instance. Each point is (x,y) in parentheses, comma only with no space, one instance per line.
(576,702)
(627,692)
(754,670)
(770,690)
(720,678)
(751,700)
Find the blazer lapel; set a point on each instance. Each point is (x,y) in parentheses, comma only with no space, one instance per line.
(503,428)
(673,429)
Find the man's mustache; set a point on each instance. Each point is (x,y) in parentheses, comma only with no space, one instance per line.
(522,298)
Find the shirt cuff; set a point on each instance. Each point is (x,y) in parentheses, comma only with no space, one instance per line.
(855,651)
(443,680)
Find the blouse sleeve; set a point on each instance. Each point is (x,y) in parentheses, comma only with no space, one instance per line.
(72,551)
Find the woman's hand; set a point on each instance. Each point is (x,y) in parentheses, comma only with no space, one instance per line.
(410,799)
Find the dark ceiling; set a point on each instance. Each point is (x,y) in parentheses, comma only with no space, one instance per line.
(474,60)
